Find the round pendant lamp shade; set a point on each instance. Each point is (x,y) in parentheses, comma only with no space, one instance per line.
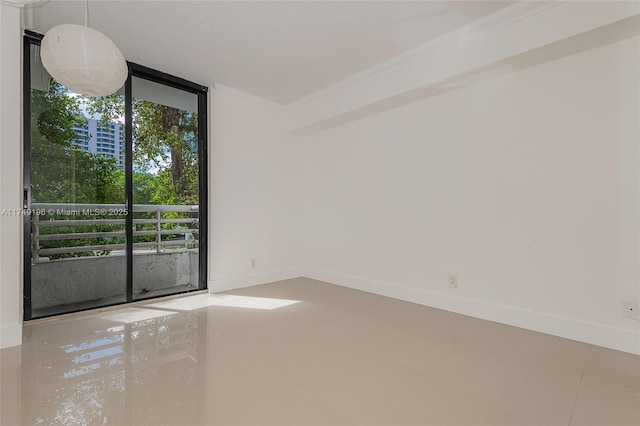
(83,60)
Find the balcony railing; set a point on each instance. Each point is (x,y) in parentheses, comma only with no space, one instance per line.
(48,216)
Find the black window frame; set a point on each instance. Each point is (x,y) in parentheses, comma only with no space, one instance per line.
(31,38)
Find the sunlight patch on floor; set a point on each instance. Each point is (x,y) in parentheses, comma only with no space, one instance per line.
(228,300)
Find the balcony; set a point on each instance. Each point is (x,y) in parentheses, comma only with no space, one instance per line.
(78,253)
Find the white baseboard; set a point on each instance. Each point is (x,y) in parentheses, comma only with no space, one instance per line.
(588,332)
(10,335)
(248,280)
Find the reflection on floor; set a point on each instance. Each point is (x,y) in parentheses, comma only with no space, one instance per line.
(309,353)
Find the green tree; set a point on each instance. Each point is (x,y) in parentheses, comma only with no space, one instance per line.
(165,156)
(165,137)
(165,145)
(61,172)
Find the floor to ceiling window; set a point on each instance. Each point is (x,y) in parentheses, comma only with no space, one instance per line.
(114,190)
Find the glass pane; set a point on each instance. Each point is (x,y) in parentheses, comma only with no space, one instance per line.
(77,197)
(165,189)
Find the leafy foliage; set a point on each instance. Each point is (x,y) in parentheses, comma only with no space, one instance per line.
(60,171)
(165,156)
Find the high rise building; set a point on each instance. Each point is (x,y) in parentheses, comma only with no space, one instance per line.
(99,138)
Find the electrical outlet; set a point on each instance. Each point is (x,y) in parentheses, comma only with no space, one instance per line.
(630,310)
(453,281)
(253,263)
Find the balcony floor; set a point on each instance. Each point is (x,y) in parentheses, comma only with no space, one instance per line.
(110,301)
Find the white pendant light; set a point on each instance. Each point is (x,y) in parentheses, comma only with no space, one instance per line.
(83,60)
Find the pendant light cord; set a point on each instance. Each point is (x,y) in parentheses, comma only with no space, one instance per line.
(86,13)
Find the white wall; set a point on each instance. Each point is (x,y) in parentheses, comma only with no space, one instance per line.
(525,185)
(252,212)
(10,178)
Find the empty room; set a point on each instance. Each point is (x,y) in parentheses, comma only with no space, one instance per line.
(319,212)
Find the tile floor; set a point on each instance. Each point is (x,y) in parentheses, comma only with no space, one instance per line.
(302,352)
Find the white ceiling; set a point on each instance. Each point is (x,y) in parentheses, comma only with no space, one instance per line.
(278,50)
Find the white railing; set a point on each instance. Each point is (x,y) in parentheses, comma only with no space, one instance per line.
(42,213)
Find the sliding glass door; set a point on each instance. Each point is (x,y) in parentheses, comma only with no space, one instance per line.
(114,190)
(166,182)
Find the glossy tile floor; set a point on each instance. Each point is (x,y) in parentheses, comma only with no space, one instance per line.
(301,352)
